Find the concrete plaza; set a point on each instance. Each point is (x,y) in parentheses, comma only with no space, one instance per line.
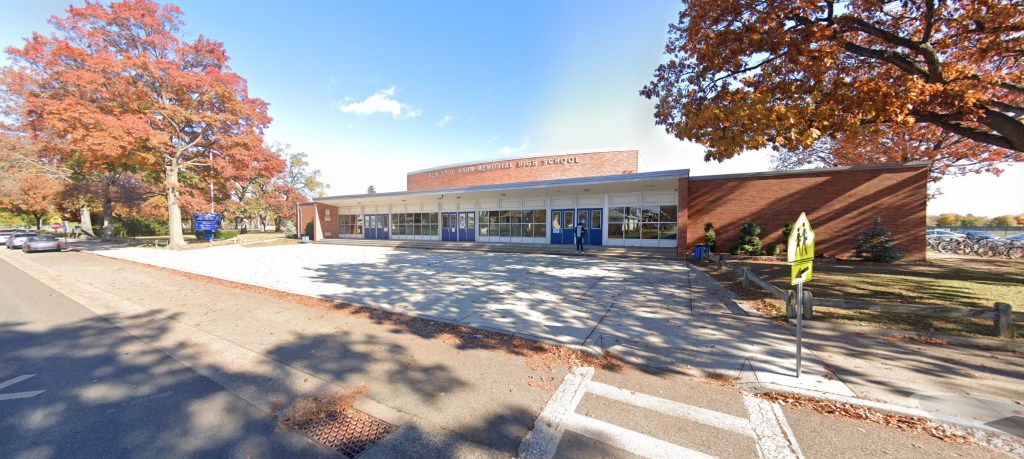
(659,313)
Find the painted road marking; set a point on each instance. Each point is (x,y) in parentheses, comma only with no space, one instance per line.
(774,437)
(17,395)
(634,442)
(542,441)
(767,425)
(673,408)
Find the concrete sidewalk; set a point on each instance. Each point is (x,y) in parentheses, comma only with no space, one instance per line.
(661,313)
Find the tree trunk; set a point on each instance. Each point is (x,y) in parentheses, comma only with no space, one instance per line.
(108,206)
(177,240)
(108,218)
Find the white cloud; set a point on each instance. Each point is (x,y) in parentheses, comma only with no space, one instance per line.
(444,121)
(507,150)
(381,102)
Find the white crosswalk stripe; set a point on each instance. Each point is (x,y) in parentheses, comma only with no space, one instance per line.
(767,425)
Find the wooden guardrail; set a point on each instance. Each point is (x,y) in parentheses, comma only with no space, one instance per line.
(1001,314)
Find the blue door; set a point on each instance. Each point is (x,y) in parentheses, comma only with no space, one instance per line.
(467,226)
(383,230)
(563,222)
(448,227)
(556,227)
(370,227)
(376,226)
(592,221)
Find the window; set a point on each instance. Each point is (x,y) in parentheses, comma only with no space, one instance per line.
(512,223)
(415,224)
(350,224)
(647,222)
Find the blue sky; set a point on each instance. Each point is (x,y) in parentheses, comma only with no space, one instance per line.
(373,90)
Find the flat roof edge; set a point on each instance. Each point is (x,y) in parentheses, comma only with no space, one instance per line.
(676,173)
(907,165)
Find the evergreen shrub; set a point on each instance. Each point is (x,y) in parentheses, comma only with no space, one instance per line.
(875,244)
(749,242)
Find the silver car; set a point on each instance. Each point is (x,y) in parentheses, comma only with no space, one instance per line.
(41,244)
(16,240)
(4,236)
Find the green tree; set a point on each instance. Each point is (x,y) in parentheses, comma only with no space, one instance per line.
(970,221)
(947,220)
(1002,220)
(749,242)
(371,190)
(875,244)
(709,236)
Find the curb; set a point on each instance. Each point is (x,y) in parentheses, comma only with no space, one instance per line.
(980,432)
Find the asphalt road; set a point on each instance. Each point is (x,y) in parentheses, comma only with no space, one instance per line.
(112,388)
(107,393)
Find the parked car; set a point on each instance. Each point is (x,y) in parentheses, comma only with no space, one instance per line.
(943,234)
(978,235)
(41,244)
(4,235)
(16,240)
(1019,237)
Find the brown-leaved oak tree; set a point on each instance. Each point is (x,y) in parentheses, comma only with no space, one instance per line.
(781,74)
(115,88)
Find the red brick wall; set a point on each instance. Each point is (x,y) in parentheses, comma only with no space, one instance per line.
(839,205)
(307,211)
(526,170)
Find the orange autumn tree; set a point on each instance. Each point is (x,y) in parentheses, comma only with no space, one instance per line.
(115,88)
(781,74)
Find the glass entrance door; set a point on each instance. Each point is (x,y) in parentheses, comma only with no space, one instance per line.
(376,226)
(591,219)
(563,223)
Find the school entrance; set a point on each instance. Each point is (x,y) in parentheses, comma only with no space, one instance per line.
(458,226)
(563,226)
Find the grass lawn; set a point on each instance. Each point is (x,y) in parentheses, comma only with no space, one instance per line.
(944,280)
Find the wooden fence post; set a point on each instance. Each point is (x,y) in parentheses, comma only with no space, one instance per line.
(791,305)
(1004,321)
(808,305)
(745,271)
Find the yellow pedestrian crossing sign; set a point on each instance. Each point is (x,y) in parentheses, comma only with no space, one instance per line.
(800,251)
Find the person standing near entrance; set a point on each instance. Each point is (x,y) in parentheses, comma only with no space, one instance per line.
(581,230)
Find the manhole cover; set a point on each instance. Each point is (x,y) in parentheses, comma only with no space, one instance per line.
(349,433)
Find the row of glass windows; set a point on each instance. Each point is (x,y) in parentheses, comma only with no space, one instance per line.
(513,223)
(414,224)
(647,222)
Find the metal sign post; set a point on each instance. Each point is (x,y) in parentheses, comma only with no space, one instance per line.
(799,325)
(800,255)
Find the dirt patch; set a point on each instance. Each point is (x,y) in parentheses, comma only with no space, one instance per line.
(896,421)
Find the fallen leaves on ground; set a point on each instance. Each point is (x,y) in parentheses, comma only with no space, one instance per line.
(848,411)
(311,409)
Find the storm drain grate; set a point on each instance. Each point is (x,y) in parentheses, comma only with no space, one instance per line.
(350,432)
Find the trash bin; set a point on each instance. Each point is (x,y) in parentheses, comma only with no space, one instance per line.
(305,239)
(701,251)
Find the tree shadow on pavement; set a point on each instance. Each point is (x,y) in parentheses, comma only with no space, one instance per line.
(108,394)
